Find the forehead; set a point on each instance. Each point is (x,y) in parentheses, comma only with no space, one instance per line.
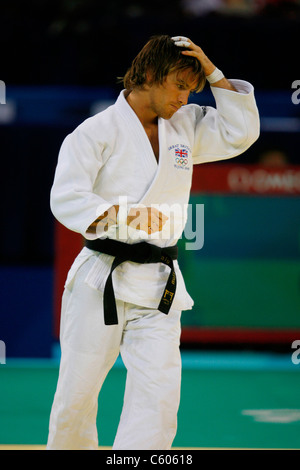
(184,76)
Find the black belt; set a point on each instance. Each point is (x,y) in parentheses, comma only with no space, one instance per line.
(141,252)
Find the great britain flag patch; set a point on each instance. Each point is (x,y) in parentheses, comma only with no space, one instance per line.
(181,157)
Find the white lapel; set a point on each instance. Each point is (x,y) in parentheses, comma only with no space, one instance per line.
(160,180)
(137,134)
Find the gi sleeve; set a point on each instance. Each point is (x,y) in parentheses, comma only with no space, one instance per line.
(72,199)
(229,129)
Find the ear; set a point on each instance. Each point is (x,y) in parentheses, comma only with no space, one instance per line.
(149,78)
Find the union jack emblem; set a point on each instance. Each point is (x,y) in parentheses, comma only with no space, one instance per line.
(181,153)
(181,156)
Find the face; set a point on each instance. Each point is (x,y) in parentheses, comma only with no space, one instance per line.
(166,98)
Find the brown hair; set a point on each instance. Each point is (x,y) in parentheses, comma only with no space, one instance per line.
(160,56)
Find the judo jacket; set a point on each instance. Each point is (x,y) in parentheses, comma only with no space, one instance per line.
(108,160)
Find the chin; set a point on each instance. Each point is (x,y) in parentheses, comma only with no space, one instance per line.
(167,116)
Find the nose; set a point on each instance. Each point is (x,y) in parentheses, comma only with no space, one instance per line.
(183,97)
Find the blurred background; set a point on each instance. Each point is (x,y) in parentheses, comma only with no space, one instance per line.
(60,62)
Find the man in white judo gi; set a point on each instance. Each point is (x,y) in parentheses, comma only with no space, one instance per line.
(120,182)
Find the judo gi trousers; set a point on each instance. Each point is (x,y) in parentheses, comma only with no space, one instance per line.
(148,342)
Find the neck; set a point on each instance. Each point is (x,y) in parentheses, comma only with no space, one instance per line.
(139,102)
